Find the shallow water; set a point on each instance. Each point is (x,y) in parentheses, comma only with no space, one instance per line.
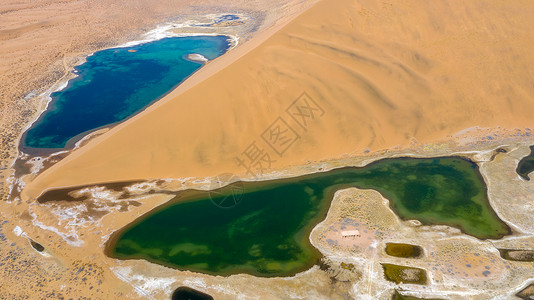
(526,165)
(267,232)
(114,84)
(187,293)
(517,255)
(397,274)
(404,250)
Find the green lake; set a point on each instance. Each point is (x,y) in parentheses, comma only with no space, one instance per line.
(267,232)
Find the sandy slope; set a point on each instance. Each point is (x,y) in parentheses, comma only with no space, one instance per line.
(41,40)
(383,74)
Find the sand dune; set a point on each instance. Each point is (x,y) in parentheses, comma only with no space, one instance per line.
(379,74)
(42,40)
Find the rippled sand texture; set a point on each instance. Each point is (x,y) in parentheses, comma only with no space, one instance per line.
(40,42)
(382,74)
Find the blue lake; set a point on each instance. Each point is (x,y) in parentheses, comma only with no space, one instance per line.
(115,84)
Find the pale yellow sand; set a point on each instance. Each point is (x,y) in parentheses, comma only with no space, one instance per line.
(40,42)
(382,73)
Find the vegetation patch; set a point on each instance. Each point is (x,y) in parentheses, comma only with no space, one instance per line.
(404,250)
(517,255)
(402,274)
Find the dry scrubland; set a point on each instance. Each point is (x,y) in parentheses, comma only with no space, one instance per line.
(388,79)
(73,262)
(385,75)
(457,266)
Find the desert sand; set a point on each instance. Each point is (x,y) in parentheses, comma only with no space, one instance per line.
(381,79)
(380,75)
(74,233)
(40,42)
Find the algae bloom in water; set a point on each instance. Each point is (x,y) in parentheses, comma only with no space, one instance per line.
(267,232)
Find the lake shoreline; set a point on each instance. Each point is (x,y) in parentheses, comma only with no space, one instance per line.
(481,154)
(181,198)
(437,85)
(66,83)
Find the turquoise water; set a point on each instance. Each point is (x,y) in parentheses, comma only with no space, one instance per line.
(114,84)
(267,232)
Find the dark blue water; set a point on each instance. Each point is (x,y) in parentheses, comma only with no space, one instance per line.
(114,84)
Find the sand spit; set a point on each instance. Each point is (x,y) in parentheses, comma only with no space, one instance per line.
(197,57)
(367,77)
